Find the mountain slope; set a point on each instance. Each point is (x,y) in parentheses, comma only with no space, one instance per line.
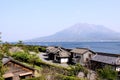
(82,32)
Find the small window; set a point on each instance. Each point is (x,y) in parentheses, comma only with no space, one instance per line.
(87,59)
(90,55)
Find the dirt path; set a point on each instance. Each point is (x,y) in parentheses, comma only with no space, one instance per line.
(44,58)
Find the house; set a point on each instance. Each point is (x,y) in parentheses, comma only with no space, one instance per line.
(100,60)
(16,70)
(81,55)
(51,50)
(58,54)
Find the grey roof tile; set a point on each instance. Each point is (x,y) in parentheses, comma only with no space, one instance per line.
(105,59)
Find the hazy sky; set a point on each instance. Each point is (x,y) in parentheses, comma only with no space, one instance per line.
(27,19)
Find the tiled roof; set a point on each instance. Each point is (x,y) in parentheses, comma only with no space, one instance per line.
(63,53)
(5,60)
(105,59)
(58,51)
(79,50)
(52,50)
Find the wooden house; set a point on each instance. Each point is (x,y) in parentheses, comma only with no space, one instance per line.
(58,54)
(51,51)
(16,70)
(81,55)
(100,60)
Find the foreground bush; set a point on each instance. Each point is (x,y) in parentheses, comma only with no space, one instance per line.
(107,73)
(63,77)
(25,57)
(76,69)
(21,56)
(37,78)
(56,77)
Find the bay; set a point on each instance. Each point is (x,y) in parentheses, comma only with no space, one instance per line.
(107,47)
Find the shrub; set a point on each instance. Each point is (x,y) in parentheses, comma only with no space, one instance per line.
(63,77)
(25,57)
(107,73)
(76,69)
(21,56)
(37,78)
(42,49)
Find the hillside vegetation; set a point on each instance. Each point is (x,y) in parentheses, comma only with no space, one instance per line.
(46,71)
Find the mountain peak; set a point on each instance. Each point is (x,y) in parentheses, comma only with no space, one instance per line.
(82,32)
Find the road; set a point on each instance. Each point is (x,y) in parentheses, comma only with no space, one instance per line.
(44,58)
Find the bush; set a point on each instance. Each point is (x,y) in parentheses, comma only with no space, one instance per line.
(21,56)
(32,48)
(37,78)
(76,69)
(56,77)
(63,77)
(107,73)
(53,68)
(25,57)
(42,49)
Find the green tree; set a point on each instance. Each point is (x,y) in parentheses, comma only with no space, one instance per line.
(1,64)
(33,58)
(107,73)
(20,42)
(2,51)
(5,48)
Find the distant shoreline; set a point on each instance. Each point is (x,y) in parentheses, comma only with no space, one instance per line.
(62,41)
(106,47)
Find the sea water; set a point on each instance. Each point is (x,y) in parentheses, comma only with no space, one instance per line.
(107,47)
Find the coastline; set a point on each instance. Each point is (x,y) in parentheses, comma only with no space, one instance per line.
(106,47)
